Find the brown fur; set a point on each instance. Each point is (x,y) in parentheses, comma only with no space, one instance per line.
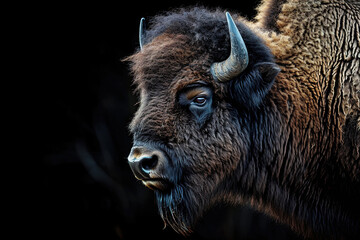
(317,46)
(322,55)
(297,156)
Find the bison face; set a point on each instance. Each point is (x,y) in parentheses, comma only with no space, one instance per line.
(191,132)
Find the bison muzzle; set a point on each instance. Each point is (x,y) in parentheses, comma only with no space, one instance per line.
(150,165)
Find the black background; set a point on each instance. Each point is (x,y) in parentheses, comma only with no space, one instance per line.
(84,188)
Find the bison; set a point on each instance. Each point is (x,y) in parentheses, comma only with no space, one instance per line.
(264,113)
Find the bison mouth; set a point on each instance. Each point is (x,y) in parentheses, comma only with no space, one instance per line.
(159,184)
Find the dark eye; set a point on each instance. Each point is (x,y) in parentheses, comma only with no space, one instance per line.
(197,100)
(200,101)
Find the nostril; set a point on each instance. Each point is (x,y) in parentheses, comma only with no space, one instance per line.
(149,163)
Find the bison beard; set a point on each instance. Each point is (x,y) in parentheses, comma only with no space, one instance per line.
(178,208)
(184,204)
(178,205)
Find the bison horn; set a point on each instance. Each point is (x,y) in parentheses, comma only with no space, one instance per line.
(238,59)
(142,32)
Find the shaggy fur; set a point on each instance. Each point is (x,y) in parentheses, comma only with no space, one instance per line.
(285,143)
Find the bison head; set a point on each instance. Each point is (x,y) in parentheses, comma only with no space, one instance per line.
(202,81)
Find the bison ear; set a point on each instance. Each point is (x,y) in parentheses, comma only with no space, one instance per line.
(249,89)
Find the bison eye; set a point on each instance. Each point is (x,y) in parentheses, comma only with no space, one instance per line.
(199,101)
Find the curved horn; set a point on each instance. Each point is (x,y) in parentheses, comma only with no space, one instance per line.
(238,59)
(142,32)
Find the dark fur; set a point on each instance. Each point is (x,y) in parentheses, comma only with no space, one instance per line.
(209,30)
(251,150)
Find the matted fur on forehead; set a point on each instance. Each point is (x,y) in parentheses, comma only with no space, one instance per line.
(169,63)
(161,61)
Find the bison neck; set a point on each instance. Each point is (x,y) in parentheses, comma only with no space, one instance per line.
(288,176)
(303,167)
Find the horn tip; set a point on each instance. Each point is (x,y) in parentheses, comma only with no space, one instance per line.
(228,17)
(141,32)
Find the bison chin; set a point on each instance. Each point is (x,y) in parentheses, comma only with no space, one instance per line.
(180,208)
